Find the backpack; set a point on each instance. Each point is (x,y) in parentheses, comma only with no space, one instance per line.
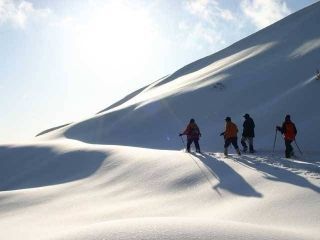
(194,130)
(289,131)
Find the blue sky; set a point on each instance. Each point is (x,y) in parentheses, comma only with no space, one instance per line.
(65,60)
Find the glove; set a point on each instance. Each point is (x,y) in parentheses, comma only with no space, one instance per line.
(221,134)
(278,128)
(180,134)
(199,134)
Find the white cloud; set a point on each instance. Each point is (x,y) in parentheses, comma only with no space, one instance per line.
(200,36)
(183,26)
(208,10)
(211,16)
(18,13)
(199,8)
(264,12)
(227,14)
(209,36)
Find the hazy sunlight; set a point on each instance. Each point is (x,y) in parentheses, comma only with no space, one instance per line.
(117,37)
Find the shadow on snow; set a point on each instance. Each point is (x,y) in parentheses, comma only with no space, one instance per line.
(30,166)
(280,170)
(228,178)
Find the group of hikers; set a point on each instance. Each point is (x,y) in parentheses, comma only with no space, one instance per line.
(288,129)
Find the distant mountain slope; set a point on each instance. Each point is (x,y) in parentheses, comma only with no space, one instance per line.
(131,95)
(52,129)
(268,74)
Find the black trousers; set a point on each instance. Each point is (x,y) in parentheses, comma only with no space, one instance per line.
(289,148)
(233,141)
(196,143)
(244,144)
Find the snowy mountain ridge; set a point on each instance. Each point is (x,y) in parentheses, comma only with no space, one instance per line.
(268,75)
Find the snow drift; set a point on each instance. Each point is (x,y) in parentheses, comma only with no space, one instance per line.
(72,190)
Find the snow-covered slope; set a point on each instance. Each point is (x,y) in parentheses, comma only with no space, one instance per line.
(118,175)
(72,190)
(267,75)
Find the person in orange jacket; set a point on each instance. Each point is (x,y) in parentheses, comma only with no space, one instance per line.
(289,132)
(193,134)
(230,136)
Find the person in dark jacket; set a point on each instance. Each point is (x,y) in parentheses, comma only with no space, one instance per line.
(248,133)
(230,136)
(289,132)
(193,134)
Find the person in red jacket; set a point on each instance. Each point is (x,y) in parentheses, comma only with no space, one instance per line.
(193,134)
(289,132)
(230,136)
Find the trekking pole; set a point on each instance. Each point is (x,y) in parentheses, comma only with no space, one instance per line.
(275,139)
(202,171)
(184,145)
(298,147)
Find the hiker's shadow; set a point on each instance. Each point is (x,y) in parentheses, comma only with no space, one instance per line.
(227,177)
(275,170)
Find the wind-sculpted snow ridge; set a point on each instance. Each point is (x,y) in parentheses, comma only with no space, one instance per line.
(71,190)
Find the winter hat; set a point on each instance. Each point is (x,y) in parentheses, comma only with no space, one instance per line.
(228,119)
(246,115)
(191,120)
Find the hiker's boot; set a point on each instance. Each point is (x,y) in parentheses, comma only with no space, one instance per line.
(251,149)
(226,152)
(238,151)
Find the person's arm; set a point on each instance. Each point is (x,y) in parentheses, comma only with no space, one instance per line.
(281,129)
(227,130)
(185,132)
(284,129)
(199,131)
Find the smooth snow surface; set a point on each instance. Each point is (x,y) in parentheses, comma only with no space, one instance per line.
(72,190)
(123,174)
